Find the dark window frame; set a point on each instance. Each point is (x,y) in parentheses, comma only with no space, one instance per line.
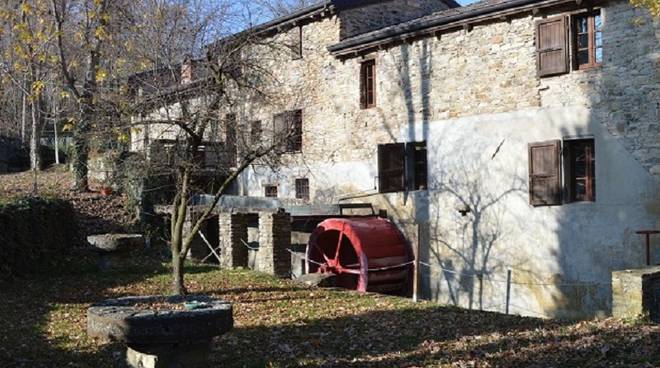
(368,84)
(419,165)
(271,191)
(592,46)
(557,183)
(402,168)
(573,148)
(302,188)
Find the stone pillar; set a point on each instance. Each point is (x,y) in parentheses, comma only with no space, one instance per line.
(636,293)
(274,243)
(233,232)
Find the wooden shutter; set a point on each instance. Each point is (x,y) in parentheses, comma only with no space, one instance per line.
(545,173)
(391,167)
(552,46)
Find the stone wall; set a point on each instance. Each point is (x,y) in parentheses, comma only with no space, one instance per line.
(273,256)
(375,16)
(475,97)
(233,234)
(636,294)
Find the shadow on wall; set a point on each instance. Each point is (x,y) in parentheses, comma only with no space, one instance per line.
(468,229)
(596,238)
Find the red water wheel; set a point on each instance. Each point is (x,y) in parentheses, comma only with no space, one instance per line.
(365,254)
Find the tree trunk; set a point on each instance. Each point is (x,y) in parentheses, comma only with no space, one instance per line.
(23,116)
(80,153)
(35,136)
(178,286)
(57,143)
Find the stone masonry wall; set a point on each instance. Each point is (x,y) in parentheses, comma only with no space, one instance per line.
(624,92)
(273,256)
(375,16)
(233,232)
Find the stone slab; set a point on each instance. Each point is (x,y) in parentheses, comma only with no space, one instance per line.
(636,293)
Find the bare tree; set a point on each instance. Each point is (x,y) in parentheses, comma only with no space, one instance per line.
(188,105)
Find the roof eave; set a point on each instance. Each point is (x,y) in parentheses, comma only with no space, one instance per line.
(377,39)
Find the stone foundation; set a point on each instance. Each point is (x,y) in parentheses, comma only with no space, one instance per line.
(636,293)
(233,232)
(274,243)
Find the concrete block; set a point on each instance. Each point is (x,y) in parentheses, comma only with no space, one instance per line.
(636,293)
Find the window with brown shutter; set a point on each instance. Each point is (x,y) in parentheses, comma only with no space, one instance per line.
(580,161)
(302,188)
(545,173)
(587,40)
(391,167)
(368,84)
(551,46)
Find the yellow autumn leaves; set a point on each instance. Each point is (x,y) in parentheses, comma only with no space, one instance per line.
(652,5)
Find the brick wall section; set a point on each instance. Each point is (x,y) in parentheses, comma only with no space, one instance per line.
(233,231)
(636,293)
(372,17)
(274,242)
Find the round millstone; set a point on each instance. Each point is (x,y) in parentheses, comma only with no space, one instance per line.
(116,242)
(122,320)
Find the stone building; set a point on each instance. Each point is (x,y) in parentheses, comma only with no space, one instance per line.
(517,135)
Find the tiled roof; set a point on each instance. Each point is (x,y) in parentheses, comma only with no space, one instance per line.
(438,18)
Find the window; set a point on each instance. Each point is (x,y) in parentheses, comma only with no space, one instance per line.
(551,48)
(270,191)
(553,44)
(587,40)
(296,43)
(302,189)
(255,132)
(581,166)
(391,167)
(545,172)
(289,130)
(402,166)
(418,157)
(368,84)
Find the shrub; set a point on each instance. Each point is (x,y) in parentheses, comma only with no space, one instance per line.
(36,233)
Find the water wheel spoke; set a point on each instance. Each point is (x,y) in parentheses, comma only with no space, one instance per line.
(321,252)
(341,237)
(352,271)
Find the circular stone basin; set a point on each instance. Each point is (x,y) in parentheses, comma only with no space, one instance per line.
(116,242)
(173,320)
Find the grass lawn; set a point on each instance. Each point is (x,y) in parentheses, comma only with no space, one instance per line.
(280,324)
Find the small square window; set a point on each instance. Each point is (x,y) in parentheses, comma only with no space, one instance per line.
(270,191)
